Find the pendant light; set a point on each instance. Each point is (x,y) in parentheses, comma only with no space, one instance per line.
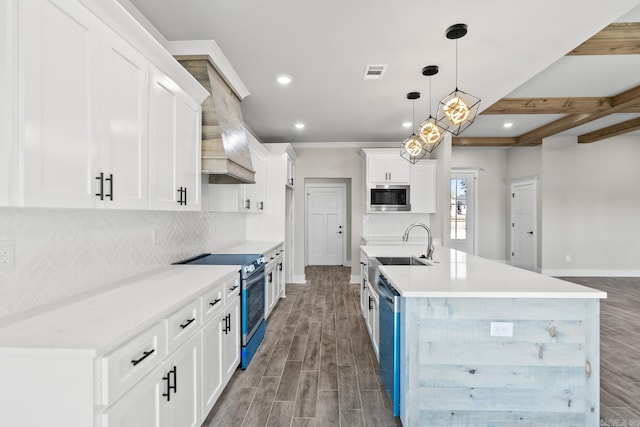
(411,148)
(458,110)
(430,131)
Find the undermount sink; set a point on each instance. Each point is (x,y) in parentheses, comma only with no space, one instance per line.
(402,260)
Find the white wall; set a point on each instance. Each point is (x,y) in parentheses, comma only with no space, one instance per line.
(492,191)
(62,253)
(327,163)
(591,207)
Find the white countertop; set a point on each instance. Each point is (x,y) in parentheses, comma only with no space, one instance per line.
(250,247)
(105,320)
(459,275)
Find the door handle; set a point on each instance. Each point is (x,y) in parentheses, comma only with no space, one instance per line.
(529,232)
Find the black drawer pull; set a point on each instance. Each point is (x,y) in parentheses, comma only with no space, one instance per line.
(190,321)
(145,354)
(101,179)
(233,288)
(215,301)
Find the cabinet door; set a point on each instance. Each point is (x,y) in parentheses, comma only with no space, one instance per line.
(291,171)
(375,326)
(259,188)
(142,406)
(183,369)
(279,278)
(163,185)
(270,290)
(398,169)
(423,187)
(125,140)
(231,340)
(364,301)
(59,49)
(8,80)
(188,150)
(377,169)
(212,348)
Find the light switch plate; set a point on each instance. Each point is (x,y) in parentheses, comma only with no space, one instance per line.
(501,329)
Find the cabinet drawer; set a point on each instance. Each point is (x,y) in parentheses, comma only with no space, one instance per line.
(182,324)
(213,302)
(232,287)
(125,366)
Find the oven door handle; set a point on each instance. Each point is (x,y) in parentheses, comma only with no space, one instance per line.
(256,276)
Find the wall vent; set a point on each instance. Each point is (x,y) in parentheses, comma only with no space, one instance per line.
(374,72)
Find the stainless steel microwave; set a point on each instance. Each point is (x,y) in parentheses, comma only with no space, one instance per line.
(388,198)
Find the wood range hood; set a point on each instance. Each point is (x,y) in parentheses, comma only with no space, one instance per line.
(225,150)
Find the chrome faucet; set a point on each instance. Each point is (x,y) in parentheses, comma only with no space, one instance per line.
(430,247)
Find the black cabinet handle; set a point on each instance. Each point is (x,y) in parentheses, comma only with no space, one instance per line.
(247,204)
(370,304)
(185,196)
(190,321)
(233,288)
(182,200)
(280,266)
(215,301)
(110,179)
(529,232)
(145,354)
(174,387)
(227,324)
(101,179)
(270,277)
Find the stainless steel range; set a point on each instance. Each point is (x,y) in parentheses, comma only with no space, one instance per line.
(252,296)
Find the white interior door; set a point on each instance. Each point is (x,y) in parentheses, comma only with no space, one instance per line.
(325,224)
(463,211)
(523,225)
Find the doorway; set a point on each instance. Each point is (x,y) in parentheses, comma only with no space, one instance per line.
(325,223)
(463,210)
(524,230)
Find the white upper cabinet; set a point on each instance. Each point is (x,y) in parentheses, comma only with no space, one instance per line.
(387,168)
(423,186)
(174,146)
(59,73)
(83,96)
(8,37)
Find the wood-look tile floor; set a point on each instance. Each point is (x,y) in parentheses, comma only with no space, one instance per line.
(619,349)
(315,367)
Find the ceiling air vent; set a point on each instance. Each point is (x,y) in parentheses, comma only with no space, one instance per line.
(374,72)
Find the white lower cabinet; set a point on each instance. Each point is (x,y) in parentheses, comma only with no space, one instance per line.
(370,310)
(220,352)
(169,396)
(167,375)
(231,341)
(274,278)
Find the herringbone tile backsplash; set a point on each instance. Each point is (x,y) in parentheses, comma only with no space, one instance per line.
(61,253)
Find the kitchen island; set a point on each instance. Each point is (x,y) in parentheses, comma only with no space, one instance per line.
(484,343)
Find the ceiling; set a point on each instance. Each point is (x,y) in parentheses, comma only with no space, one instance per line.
(509,52)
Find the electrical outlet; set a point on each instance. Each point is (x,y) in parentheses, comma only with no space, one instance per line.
(567,258)
(155,237)
(7,254)
(501,329)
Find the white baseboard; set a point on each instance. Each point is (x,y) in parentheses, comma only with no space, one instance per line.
(299,279)
(590,273)
(355,278)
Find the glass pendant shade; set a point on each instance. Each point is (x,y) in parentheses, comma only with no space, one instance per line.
(431,134)
(411,149)
(457,111)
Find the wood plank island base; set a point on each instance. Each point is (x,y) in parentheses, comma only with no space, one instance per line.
(483,343)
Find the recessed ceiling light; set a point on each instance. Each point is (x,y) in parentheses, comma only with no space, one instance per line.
(406,124)
(507,125)
(299,125)
(284,79)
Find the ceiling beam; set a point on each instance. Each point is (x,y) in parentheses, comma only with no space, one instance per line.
(609,131)
(619,38)
(578,105)
(483,142)
(588,105)
(619,103)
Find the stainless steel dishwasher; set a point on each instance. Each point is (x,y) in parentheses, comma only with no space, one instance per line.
(390,341)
